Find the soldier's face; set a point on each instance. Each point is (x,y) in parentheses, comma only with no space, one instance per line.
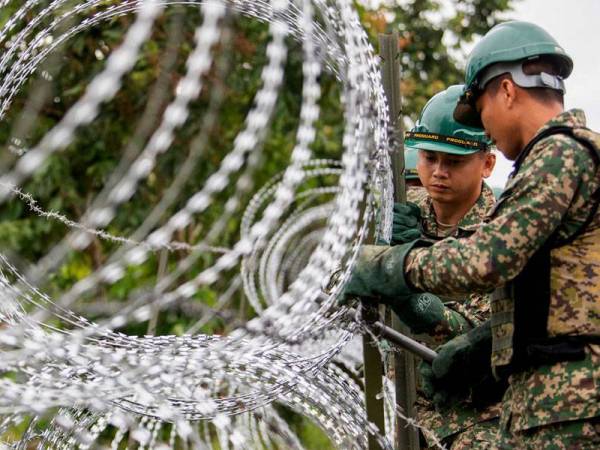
(454,179)
(497,112)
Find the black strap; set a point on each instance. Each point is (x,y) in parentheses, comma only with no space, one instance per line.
(559,348)
(547,352)
(531,288)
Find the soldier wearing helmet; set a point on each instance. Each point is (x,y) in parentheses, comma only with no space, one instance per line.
(539,248)
(452,161)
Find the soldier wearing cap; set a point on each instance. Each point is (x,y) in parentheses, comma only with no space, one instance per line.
(452,161)
(539,248)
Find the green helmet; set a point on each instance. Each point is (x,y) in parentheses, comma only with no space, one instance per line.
(436,130)
(410,163)
(503,50)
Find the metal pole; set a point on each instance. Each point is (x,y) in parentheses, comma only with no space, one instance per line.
(403,341)
(404,362)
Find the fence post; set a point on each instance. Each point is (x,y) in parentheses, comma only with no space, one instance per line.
(404,362)
(373,372)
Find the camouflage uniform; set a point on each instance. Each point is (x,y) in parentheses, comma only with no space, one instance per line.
(460,427)
(475,309)
(552,195)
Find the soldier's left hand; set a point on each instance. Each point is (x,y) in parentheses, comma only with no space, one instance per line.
(405,227)
(447,381)
(472,349)
(441,396)
(420,312)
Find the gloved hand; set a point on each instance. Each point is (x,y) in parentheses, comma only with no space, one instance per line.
(405,227)
(462,370)
(426,313)
(379,272)
(472,350)
(441,398)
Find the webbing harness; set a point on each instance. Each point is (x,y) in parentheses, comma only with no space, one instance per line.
(530,291)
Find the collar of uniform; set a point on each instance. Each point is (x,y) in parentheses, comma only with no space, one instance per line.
(469,222)
(574,118)
(484,203)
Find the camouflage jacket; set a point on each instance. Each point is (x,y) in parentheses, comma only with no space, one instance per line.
(550,195)
(475,309)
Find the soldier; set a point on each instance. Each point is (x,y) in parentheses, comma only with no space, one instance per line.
(540,245)
(451,160)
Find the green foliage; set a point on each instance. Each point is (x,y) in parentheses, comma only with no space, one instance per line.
(311,436)
(432,34)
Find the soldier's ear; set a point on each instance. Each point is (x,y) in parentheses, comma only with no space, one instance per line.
(508,92)
(489,163)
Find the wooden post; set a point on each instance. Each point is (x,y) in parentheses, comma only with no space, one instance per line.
(404,362)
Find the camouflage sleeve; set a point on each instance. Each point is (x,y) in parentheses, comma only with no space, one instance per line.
(475,309)
(553,186)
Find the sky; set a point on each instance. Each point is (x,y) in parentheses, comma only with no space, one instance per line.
(576,27)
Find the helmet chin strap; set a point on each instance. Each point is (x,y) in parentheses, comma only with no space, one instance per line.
(515,68)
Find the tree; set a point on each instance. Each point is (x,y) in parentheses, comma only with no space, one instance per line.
(433,38)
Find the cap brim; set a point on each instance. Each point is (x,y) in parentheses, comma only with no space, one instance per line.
(441,147)
(466,114)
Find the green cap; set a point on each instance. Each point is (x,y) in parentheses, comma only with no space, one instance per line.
(506,42)
(436,130)
(410,163)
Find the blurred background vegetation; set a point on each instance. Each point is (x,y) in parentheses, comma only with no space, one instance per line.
(433,35)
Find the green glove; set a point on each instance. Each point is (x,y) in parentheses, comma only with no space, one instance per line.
(448,377)
(425,312)
(430,388)
(379,272)
(472,350)
(428,380)
(405,227)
